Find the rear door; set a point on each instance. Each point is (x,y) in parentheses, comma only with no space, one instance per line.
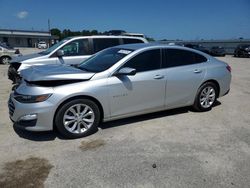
(103,43)
(185,71)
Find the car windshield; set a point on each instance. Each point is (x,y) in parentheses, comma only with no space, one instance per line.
(104,59)
(52,48)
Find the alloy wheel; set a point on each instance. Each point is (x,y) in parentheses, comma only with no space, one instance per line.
(78,118)
(207,97)
(5,60)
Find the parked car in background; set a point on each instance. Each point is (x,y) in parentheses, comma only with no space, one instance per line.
(7,53)
(242,51)
(115,83)
(42,45)
(197,47)
(217,51)
(71,51)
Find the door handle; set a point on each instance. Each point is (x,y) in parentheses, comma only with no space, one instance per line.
(158,77)
(197,71)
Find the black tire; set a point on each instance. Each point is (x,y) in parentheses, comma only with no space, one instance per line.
(2,60)
(197,104)
(63,109)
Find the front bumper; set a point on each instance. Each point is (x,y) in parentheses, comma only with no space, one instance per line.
(44,115)
(13,74)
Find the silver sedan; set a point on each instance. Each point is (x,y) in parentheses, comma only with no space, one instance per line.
(115,83)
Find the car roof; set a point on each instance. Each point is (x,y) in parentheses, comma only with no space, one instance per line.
(108,36)
(142,46)
(137,46)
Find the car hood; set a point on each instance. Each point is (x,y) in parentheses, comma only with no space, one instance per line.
(54,73)
(25,57)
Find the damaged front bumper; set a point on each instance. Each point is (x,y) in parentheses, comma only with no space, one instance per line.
(33,116)
(13,73)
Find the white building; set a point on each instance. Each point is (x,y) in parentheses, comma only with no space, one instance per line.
(25,38)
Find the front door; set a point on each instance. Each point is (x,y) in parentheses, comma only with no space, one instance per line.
(142,92)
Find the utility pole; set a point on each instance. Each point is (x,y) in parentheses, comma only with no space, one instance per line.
(49,32)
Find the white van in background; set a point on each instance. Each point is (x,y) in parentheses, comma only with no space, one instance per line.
(71,50)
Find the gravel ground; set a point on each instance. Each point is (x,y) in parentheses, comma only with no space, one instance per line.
(175,148)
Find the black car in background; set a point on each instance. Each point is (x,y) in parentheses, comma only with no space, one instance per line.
(217,51)
(242,51)
(197,47)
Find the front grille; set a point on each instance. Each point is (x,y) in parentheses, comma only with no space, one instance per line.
(11,107)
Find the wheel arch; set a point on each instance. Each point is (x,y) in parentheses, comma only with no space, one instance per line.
(5,56)
(216,84)
(79,97)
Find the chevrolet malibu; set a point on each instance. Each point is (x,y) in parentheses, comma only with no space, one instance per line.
(118,82)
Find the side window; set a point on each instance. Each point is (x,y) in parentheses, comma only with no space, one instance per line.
(1,49)
(130,41)
(200,58)
(145,61)
(76,48)
(177,57)
(102,43)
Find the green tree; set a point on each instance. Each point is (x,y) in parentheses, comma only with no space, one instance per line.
(56,32)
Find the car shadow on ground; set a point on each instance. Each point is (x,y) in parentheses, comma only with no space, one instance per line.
(52,135)
(145,117)
(37,136)
(135,119)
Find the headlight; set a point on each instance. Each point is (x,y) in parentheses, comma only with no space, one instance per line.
(31,98)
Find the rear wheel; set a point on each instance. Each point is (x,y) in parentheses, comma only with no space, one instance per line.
(206,97)
(77,118)
(5,60)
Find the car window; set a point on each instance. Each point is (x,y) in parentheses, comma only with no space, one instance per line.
(145,61)
(52,48)
(76,48)
(178,57)
(102,43)
(199,58)
(131,41)
(1,49)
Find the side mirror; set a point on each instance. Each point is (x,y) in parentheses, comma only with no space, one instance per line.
(60,53)
(125,71)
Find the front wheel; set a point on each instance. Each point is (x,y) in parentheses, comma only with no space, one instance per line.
(77,118)
(206,97)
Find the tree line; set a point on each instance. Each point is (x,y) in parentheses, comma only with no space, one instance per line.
(68,33)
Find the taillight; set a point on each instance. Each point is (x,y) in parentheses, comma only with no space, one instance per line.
(229,68)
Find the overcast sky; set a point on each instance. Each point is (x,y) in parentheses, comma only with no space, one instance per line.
(160,19)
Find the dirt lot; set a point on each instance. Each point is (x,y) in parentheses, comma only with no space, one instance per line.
(176,148)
